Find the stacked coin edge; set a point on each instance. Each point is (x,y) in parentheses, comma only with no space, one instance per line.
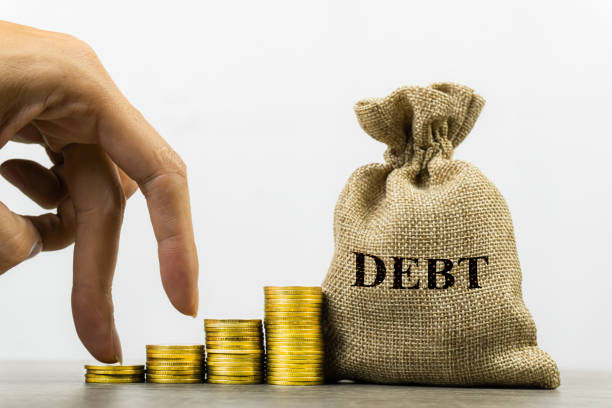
(114,374)
(235,351)
(175,364)
(294,338)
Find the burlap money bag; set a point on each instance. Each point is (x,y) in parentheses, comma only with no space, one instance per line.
(425,283)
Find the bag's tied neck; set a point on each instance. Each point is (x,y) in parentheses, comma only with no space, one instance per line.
(419,123)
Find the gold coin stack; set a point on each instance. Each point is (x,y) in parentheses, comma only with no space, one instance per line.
(112,374)
(235,351)
(294,339)
(175,364)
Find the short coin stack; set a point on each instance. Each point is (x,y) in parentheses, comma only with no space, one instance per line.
(175,364)
(112,374)
(235,351)
(294,339)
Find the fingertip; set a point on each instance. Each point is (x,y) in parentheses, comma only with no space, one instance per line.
(94,323)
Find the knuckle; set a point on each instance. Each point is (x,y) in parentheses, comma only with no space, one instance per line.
(15,249)
(171,161)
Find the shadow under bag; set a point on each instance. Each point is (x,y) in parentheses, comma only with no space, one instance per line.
(425,283)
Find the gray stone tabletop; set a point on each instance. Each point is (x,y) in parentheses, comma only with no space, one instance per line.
(61,384)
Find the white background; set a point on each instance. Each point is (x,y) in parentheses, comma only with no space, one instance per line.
(257,98)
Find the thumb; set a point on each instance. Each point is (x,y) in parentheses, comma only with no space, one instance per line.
(19,239)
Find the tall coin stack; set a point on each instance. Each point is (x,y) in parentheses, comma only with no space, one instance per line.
(112,374)
(294,338)
(175,364)
(235,351)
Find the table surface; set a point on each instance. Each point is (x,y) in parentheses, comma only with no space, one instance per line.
(60,384)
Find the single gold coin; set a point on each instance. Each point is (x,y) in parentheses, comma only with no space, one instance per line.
(116,372)
(234,343)
(236,377)
(174,356)
(296,347)
(164,363)
(233,338)
(295,378)
(229,362)
(175,380)
(235,357)
(194,347)
(232,322)
(279,372)
(301,289)
(277,382)
(175,376)
(113,380)
(235,351)
(293,340)
(240,373)
(234,382)
(287,337)
(294,297)
(110,377)
(114,367)
(174,372)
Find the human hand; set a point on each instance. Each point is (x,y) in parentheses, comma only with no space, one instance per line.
(54,91)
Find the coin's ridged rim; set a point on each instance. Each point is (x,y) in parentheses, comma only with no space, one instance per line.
(116,372)
(299,383)
(114,380)
(175,381)
(114,367)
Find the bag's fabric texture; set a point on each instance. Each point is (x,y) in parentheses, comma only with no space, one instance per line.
(425,283)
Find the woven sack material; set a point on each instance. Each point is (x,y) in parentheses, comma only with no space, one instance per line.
(425,283)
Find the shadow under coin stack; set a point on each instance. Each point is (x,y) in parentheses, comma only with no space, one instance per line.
(235,351)
(294,339)
(112,374)
(175,364)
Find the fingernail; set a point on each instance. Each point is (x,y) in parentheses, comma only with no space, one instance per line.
(117,346)
(36,248)
(196,304)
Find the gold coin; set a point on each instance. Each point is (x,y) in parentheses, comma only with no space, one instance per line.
(233,338)
(115,372)
(119,377)
(176,352)
(294,371)
(235,357)
(296,337)
(113,380)
(174,356)
(295,378)
(176,376)
(292,314)
(236,377)
(301,289)
(174,372)
(233,331)
(292,306)
(114,367)
(175,380)
(276,382)
(293,297)
(230,363)
(238,373)
(234,382)
(235,351)
(235,343)
(166,348)
(172,363)
(232,322)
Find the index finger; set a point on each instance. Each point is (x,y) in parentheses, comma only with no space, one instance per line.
(144,155)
